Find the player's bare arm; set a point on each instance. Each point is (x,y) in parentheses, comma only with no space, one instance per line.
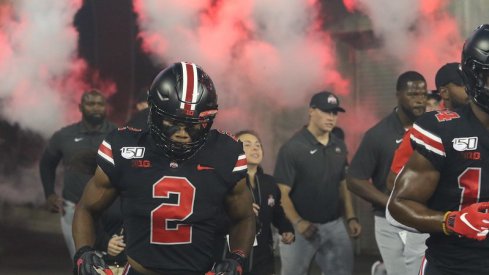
(98,195)
(287,204)
(367,191)
(391,177)
(413,188)
(354,227)
(239,208)
(304,227)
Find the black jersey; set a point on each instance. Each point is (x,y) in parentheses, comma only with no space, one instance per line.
(169,208)
(457,145)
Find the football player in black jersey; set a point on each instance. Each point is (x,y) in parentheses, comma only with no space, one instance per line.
(173,180)
(444,187)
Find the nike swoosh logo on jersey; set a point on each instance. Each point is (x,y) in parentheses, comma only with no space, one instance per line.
(202,167)
(313,151)
(464,220)
(398,140)
(78,139)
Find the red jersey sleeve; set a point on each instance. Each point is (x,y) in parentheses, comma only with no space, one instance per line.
(402,154)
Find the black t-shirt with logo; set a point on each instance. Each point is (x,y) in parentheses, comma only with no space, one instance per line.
(76,146)
(314,172)
(374,155)
(457,145)
(170,209)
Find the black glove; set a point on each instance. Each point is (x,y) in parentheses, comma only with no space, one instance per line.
(87,260)
(230,266)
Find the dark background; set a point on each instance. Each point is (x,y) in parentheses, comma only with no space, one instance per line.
(108,42)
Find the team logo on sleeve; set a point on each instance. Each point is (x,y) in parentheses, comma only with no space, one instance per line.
(465,143)
(446,115)
(132,152)
(271,201)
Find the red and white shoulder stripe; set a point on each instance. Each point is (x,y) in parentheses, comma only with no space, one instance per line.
(241,164)
(430,141)
(105,151)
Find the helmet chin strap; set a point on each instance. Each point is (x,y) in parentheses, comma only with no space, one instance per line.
(175,151)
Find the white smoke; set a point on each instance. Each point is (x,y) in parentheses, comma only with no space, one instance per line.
(38,45)
(248,47)
(265,57)
(421,35)
(393,22)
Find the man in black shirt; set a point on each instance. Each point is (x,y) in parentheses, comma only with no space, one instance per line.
(310,170)
(372,162)
(74,145)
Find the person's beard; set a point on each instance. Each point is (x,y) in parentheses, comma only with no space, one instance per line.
(457,104)
(94,119)
(410,114)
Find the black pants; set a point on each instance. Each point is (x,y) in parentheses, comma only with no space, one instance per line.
(128,270)
(430,269)
(262,268)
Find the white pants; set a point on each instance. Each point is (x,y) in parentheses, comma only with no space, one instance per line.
(67,225)
(331,249)
(401,251)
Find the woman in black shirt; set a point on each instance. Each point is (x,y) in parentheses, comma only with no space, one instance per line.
(267,207)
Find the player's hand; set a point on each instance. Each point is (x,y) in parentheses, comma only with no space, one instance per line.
(53,203)
(288,237)
(471,222)
(228,267)
(256,209)
(354,228)
(89,262)
(233,265)
(116,245)
(307,229)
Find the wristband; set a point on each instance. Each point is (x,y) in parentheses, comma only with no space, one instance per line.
(80,252)
(443,224)
(78,255)
(238,255)
(351,219)
(298,221)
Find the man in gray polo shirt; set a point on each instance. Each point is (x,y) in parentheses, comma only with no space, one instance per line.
(76,145)
(311,171)
(372,161)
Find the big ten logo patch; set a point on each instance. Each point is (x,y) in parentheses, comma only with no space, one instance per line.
(141,163)
(472,155)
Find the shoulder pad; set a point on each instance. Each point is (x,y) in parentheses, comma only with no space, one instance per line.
(227,134)
(128,128)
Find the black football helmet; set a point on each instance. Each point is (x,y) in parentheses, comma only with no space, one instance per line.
(475,66)
(182,95)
